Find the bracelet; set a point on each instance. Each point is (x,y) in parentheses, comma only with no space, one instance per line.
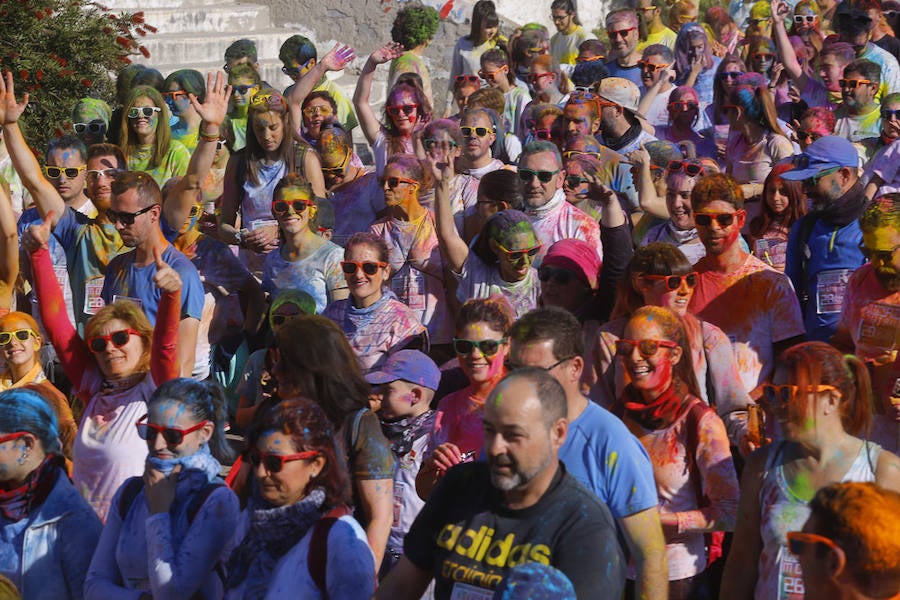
(208,137)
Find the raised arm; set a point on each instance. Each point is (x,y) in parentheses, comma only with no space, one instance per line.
(178,204)
(231,201)
(453,248)
(164,363)
(788,58)
(367,119)
(649,202)
(9,263)
(335,60)
(26,165)
(73,353)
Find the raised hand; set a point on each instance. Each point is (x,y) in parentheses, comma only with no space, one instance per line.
(37,236)
(780,9)
(215,107)
(10,110)
(600,192)
(386,53)
(440,160)
(639,157)
(338,57)
(166,278)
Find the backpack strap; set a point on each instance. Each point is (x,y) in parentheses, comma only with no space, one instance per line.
(317,556)
(199,498)
(130,490)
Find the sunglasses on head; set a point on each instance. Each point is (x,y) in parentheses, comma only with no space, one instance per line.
(528,175)
(852,84)
(136,112)
(517,255)
(781,395)
(573,181)
(173,436)
(274,463)
(338,169)
(281,207)
(573,153)
(92,127)
(370,268)
(119,338)
(882,256)
(70,172)
(173,96)
(127,218)
(706,219)
(674,282)
(465,347)
(431,143)
(311,111)
(96,174)
(461,79)
(267,100)
(395,110)
(888,114)
(690,168)
(393,182)
(646,348)
(798,541)
(583,59)
(730,74)
(680,105)
(619,32)
(560,276)
(646,65)
(477,131)
(800,19)
(20,334)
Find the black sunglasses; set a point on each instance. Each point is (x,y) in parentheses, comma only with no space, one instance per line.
(560,276)
(281,207)
(431,143)
(730,74)
(465,347)
(127,218)
(407,109)
(274,463)
(887,113)
(705,219)
(527,175)
(91,127)
(573,181)
(883,256)
(172,435)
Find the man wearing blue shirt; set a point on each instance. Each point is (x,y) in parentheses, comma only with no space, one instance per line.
(135,210)
(599,451)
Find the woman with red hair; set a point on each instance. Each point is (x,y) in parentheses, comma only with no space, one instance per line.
(783,204)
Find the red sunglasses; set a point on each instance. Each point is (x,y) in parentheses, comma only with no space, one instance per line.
(274,463)
(172,435)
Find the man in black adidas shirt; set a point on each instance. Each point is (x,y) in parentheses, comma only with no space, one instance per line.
(520,506)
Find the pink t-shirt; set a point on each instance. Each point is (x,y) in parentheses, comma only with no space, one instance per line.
(756,307)
(460,421)
(560,220)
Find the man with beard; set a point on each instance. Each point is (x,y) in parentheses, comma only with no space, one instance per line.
(484,518)
(823,247)
(859,115)
(869,324)
(746,298)
(622,29)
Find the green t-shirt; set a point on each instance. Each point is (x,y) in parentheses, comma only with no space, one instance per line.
(173,163)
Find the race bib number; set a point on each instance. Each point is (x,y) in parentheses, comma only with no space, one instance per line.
(790,578)
(398,502)
(830,286)
(878,336)
(62,276)
(410,288)
(464,591)
(771,251)
(137,301)
(92,300)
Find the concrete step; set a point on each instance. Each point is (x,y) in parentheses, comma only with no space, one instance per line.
(189,48)
(222,18)
(131,6)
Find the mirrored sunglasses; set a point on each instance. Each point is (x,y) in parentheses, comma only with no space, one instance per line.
(465,347)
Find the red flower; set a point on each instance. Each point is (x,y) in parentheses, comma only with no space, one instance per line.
(141,32)
(86,82)
(23,74)
(145,52)
(124,42)
(150,28)
(39,75)
(137,17)
(39,15)
(62,61)
(107,30)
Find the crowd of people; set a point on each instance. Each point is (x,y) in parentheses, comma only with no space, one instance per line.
(622,322)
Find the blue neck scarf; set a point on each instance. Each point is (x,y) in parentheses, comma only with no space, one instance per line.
(202,460)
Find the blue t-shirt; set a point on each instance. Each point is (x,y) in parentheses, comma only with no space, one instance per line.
(125,279)
(630,73)
(607,459)
(57,257)
(834,255)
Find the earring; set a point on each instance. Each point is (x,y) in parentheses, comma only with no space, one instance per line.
(313,476)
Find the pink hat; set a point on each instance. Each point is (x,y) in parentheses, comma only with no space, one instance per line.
(577,256)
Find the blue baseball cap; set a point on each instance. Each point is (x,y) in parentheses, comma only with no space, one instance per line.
(409,365)
(828,152)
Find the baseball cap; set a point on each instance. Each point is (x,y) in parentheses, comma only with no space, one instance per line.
(621,91)
(828,152)
(409,365)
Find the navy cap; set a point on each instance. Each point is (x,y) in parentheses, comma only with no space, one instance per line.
(828,152)
(409,365)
